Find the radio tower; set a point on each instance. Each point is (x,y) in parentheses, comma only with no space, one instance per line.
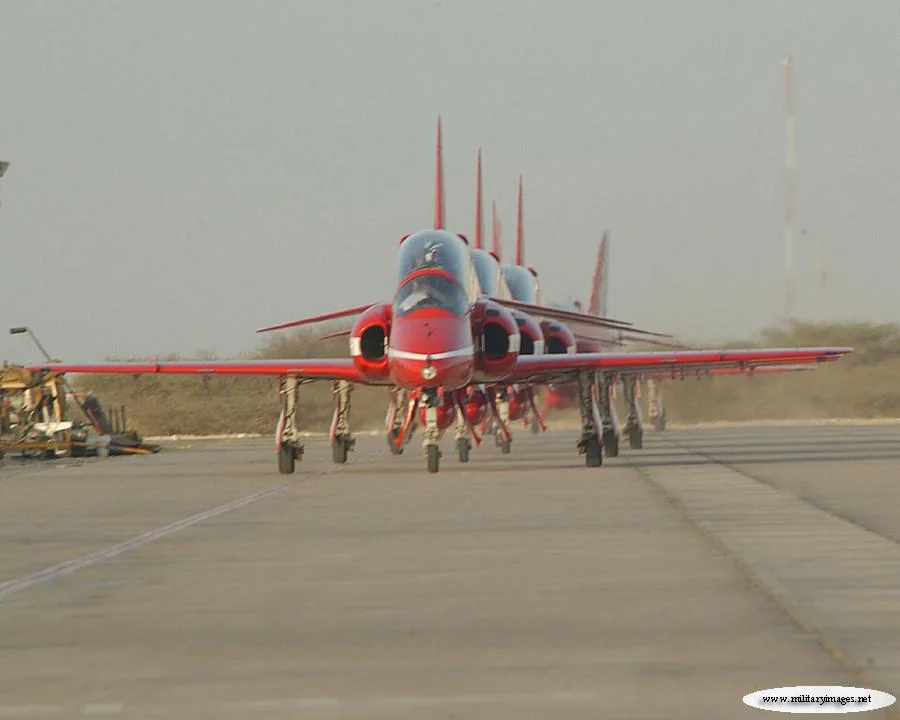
(790,168)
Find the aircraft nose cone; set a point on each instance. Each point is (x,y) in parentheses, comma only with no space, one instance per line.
(431,352)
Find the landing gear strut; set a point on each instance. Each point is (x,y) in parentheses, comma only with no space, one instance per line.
(288,443)
(634,427)
(610,436)
(342,441)
(657,410)
(396,414)
(590,444)
(400,421)
(431,431)
(536,422)
(502,436)
(463,442)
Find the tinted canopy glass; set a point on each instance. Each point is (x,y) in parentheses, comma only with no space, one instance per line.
(434,250)
(521,283)
(430,290)
(488,269)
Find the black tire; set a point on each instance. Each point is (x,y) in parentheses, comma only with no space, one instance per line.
(462,447)
(434,458)
(593,452)
(286,459)
(392,442)
(636,439)
(339,450)
(611,443)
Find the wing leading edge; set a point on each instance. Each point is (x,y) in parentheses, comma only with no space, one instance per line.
(550,368)
(312,369)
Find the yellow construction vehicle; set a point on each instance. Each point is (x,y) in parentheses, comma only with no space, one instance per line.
(33,413)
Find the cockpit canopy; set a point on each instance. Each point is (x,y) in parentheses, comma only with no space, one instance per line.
(434,250)
(431,289)
(488,271)
(522,284)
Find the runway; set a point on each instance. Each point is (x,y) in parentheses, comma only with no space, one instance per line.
(668,583)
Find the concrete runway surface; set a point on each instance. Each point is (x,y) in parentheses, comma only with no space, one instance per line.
(671,582)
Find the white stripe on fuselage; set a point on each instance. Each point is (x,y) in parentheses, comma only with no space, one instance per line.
(406,355)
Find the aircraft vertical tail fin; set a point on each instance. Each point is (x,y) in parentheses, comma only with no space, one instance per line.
(600,284)
(479,214)
(439,181)
(520,237)
(495,232)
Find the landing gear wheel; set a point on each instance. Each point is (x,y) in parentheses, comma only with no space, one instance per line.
(286,459)
(593,452)
(434,458)
(505,446)
(659,422)
(636,438)
(392,442)
(339,450)
(611,443)
(462,447)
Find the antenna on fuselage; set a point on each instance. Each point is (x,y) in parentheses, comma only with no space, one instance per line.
(520,239)
(439,181)
(479,214)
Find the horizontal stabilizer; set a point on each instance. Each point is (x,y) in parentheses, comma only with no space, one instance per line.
(319,318)
(574,319)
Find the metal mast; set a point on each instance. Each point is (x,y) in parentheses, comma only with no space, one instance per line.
(790,168)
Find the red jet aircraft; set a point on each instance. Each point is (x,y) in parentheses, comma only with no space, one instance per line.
(438,337)
(499,403)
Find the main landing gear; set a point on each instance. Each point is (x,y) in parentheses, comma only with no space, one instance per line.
(657,410)
(500,410)
(342,441)
(607,412)
(463,439)
(634,426)
(400,421)
(591,442)
(288,442)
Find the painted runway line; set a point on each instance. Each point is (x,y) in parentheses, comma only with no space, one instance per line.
(15,585)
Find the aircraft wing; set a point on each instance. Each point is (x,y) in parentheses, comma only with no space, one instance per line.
(718,371)
(312,369)
(555,368)
(578,322)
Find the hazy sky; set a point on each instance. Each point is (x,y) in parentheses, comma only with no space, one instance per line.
(185,172)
